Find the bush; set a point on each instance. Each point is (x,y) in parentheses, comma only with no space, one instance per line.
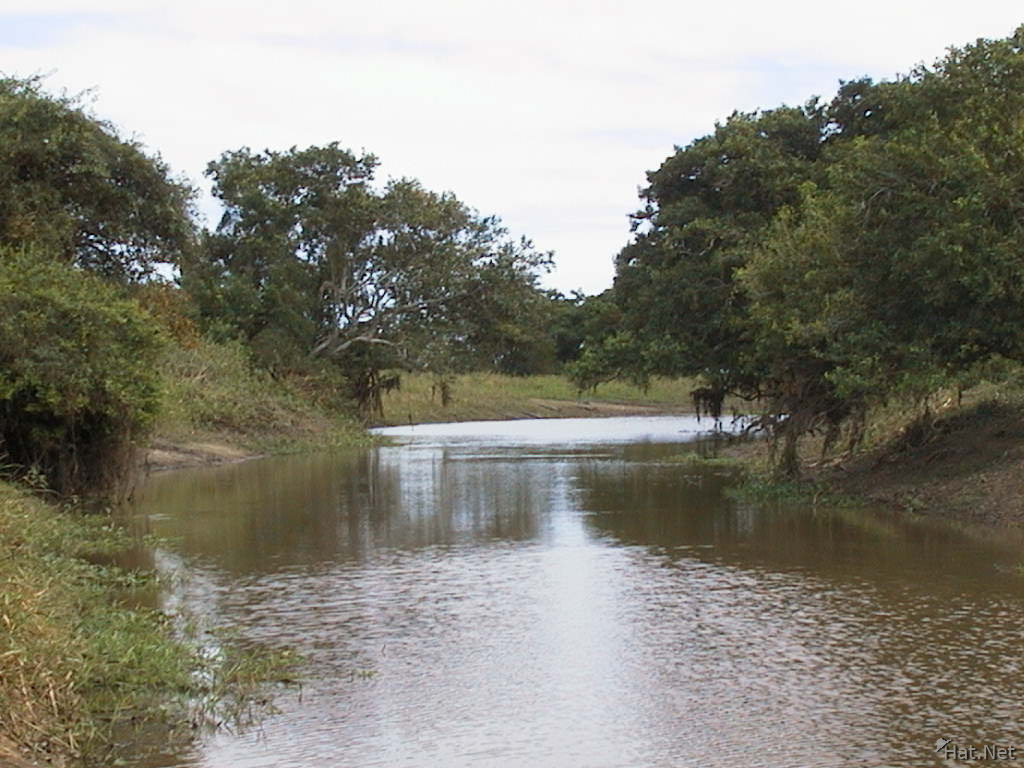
(78,385)
(72,186)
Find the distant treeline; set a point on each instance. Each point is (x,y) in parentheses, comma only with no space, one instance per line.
(822,259)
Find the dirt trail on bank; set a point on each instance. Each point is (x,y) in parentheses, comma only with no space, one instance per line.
(163,454)
(544,408)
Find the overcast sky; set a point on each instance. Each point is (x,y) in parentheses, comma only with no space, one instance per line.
(547,114)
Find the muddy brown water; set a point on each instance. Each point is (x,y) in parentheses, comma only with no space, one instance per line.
(560,593)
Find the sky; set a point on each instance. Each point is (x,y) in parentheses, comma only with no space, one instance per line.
(547,114)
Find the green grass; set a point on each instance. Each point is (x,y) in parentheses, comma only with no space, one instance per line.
(77,660)
(693,459)
(210,390)
(477,396)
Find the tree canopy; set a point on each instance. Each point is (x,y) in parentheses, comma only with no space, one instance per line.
(78,384)
(309,253)
(71,185)
(824,258)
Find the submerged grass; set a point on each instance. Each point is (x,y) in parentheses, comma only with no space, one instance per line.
(78,661)
(694,459)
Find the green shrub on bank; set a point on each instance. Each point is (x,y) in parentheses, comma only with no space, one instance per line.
(78,387)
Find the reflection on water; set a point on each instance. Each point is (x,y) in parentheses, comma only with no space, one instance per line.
(554,593)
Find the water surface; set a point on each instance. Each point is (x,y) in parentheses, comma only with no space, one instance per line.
(562,593)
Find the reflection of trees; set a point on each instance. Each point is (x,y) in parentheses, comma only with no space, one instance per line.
(840,616)
(651,504)
(770,617)
(685,507)
(303,509)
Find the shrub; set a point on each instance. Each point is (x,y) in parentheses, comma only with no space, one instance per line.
(78,385)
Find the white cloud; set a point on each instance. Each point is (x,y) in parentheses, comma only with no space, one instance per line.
(546,113)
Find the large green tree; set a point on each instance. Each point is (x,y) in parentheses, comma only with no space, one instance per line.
(313,256)
(78,385)
(822,259)
(682,312)
(73,187)
(903,270)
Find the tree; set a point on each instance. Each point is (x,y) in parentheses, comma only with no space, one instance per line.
(72,186)
(824,259)
(901,272)
(682,312)
(309,251)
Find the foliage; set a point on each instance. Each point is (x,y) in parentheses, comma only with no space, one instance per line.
(579,324)
(824,258)
(309,253)
(682,312)
(901,273)
(77,381)
(212,389)
(72,186)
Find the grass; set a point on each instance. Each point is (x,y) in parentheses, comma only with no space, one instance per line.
(78,661)
(212,392)
(694,459)
(481,396)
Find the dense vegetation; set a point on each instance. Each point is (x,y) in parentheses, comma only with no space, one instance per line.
(77,381)
(819,260)
(824,259)
(322,284)
(279,323)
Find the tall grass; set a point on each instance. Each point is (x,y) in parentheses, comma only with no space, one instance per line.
(76,659)
(212,389)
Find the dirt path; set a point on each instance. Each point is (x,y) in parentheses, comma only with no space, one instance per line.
(544,408)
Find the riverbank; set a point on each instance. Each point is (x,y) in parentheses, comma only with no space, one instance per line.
(218,408)
(964,463)
(423,398)
(71,650)
(84,655)
(231,415)
(968,465)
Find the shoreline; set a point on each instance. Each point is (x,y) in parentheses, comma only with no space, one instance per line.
(164,454)
(968,470)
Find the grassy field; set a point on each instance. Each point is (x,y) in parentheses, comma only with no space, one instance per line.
(480,396)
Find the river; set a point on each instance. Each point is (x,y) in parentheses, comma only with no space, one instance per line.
(563,593)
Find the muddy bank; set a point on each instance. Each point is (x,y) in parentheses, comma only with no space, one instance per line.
(549,408)
(163,455)
(968,466)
